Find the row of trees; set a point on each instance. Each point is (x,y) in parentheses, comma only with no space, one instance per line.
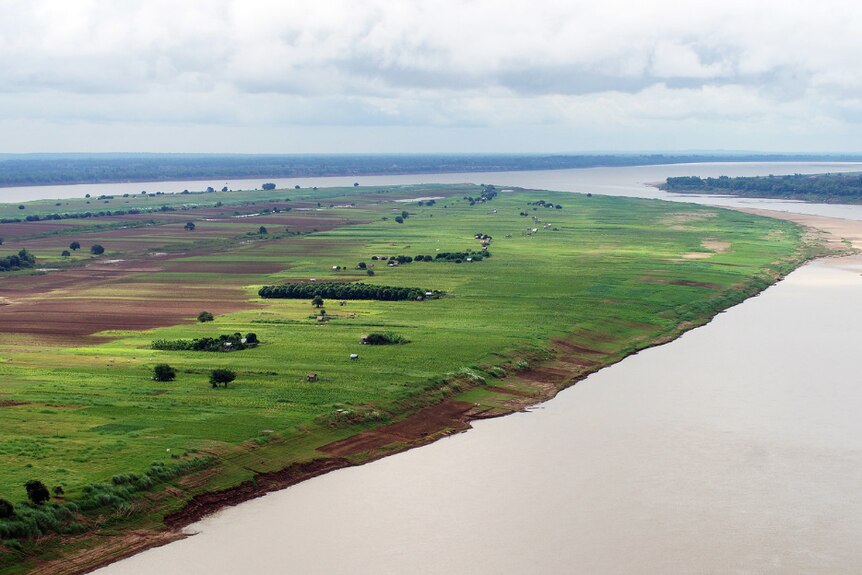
(459,257)
(231,342)
(345,291)
(86,215)
(442,256)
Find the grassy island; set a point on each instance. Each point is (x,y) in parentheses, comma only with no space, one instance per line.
(575,283)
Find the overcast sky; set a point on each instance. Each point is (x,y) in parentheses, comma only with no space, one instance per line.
(430,76)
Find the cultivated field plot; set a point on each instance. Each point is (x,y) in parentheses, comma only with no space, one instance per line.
(572,283)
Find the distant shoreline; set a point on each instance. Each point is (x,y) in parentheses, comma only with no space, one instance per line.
(62,170)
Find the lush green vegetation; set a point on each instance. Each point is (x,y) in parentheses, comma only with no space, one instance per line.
(92,415)
(838,188)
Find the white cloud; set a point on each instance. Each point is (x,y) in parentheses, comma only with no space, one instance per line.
(537,67)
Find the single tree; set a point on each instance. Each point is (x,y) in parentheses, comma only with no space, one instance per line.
(74,246)
(97,249)
(1,241)
(221,376)
(164,372)
(190,226)
(224,189)
(37,492)
(399,219)
(251,338)
(65,253)
(262,230)
(317,301)
(6,509)
(205,316)
(268,186)
(361,266)
(405,215)
(58,491)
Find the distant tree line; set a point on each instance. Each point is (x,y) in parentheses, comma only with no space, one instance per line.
(345,291)
(24,170)
(21,260)
(85,215)
(820,187)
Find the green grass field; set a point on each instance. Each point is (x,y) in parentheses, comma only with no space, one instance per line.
(608,274)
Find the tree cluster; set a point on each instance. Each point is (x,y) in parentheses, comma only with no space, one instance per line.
(544,204)
(488,193)
(22,260)
(344,291)
(459,257)
(231,342)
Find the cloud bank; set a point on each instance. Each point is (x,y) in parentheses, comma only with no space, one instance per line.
(437,75)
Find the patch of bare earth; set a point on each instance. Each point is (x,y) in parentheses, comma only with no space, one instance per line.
(682,220)
(206,503)
(424,426)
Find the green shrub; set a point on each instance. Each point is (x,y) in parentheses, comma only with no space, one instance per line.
(6,509)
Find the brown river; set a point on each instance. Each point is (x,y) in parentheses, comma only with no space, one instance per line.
(736,449)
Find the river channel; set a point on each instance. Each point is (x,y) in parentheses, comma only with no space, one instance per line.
(734,449)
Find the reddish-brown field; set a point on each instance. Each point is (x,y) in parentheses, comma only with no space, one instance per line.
(134,286)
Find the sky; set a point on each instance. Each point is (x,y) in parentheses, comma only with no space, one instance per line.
(432,76)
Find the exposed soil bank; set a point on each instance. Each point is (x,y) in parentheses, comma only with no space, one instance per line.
(263,483)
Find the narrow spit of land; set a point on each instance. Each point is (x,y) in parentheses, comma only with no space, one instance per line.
(572,283)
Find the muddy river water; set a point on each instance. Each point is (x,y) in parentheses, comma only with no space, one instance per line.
(735,449)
